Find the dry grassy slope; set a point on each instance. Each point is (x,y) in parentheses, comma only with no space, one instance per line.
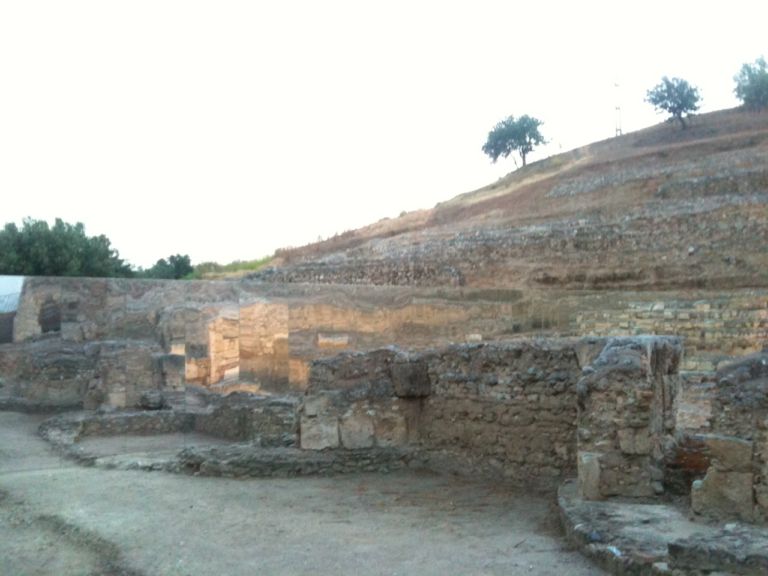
(658,208)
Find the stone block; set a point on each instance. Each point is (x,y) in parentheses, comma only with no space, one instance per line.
(319,432)
(332,340)
(152,400)
(117,398)
(391,430)
(735,548)
(356,431)
(724,495)
(411,379)
(729,453)
(316,405)
(589,475)
(635,441)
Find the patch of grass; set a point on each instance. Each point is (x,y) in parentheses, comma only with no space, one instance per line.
(237,268)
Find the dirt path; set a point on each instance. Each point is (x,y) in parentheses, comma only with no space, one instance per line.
(58,518)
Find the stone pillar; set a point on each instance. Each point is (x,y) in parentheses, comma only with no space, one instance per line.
(736,482)
(626,415)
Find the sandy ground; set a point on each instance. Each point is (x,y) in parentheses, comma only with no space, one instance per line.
(59,518)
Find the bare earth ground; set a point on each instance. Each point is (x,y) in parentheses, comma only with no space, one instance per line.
(59,518)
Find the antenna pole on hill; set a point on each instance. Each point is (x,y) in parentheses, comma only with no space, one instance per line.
(618,110)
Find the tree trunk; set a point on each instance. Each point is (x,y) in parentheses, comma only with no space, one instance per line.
(682,122)
(522,155)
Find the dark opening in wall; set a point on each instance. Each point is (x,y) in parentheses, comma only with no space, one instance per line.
(50,316)
(6,327)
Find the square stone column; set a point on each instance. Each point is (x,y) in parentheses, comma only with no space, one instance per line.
(626,412)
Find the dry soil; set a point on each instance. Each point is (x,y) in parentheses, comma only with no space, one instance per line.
(60,518)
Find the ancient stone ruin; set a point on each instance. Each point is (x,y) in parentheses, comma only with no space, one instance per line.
(300,380)
(594,326)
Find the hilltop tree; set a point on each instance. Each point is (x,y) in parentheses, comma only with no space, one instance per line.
(510,135)
(63,249)
(752,85)
(675,96)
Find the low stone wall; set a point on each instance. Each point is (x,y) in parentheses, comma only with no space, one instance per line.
(264,421)
(260,421)
(506,409)
(510,408)
(52,373)
(244,461)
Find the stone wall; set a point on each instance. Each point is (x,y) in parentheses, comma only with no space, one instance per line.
(627,416)
(669,237)
(233,335)
(46,373)
(736,448)
(637,438)
(6,327)
(50,373)
(260,421)
(260,336)
(716,326)
(506,409)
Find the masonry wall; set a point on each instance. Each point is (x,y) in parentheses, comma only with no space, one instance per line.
(735,448)
(6,327)
(715,326)
(506,409)
(262,336)
(627,401)
(229,335)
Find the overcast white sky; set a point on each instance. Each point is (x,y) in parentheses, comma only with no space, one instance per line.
(226,129)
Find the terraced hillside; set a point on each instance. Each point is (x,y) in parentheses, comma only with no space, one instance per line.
(658,209)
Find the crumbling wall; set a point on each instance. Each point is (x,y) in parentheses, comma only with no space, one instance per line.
(123,371)
(627,416)
(265,336)
(46,373)
(736,480)
(352,402)
(259,420)
(51,373)
(506,409)
(509,407)
(715,326)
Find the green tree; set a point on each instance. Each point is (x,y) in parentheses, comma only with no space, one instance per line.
(752,84)
(675,96)
(174,268)
(63,249)
(510,135)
